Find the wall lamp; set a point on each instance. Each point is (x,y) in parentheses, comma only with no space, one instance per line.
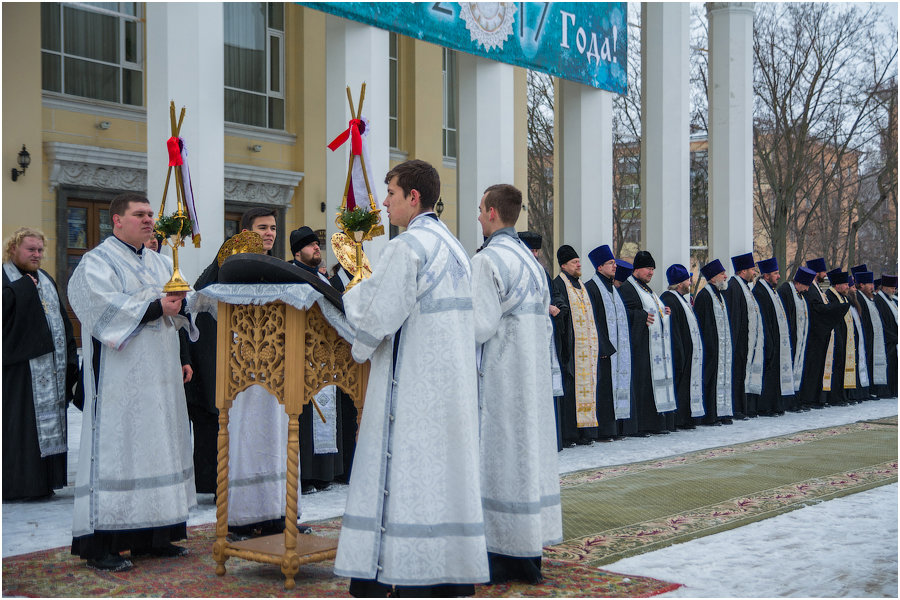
(255,148)
(439,208)
(24,160)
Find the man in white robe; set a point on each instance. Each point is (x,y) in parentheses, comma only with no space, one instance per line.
(414,518)
(519,471)
(135,480)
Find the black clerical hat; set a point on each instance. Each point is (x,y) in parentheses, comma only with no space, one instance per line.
(565,254)
(301,237)
(531,239)
(805,276)
(836,276)
(643,260)
(623,270)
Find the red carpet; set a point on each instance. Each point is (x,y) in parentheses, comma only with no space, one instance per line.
(56,573)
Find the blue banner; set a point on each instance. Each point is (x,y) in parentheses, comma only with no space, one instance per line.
(579,41)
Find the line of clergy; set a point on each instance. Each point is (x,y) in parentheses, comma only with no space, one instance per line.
(635,363)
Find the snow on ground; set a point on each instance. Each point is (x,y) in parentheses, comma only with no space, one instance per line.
(840,548)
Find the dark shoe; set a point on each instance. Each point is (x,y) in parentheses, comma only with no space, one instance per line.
(307,488)
(236,537)
(111,562)
(583,442)
(168,551)
(322,485)
(640,434)
(727,421)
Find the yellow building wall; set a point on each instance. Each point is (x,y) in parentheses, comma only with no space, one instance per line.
(311,130)
(22,199)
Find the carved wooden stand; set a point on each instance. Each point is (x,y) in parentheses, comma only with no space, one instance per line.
(293,354)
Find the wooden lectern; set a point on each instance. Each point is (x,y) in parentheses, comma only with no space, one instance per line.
(293,354)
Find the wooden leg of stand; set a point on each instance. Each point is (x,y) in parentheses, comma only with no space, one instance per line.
(221,494)
(290,563)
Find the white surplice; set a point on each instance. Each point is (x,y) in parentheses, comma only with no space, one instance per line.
(519,469)
(414,513)
(135,467)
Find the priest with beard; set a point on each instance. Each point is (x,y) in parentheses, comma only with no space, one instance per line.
(40,370)
(873,335)
(321,456)
(840,357)
(747,337)
(613,371)
(651,349)
(778,367)
(579,350)
(887,308)
(823,318)
(797,313)
(687,348)
(715,333)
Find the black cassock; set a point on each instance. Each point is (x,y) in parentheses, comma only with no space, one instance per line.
(346,409)
(787,301)
(838,395)
(556,300)
(26,335)
(319,469)
(606,412)
(648,419)
(709,335)
(890,342)
(823,318)
(745,405)
(565,349)
(869,339)
(682,357)
(770,400)
(200,392)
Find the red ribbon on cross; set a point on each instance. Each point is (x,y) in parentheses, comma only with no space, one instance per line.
(174,148)
(353,132)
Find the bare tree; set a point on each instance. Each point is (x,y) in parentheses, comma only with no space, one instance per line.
(817,71)
(540,160)
(627,196)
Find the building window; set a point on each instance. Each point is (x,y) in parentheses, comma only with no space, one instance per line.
(630,197)
(449,77)
(254,63)
(394,107)
(93,51)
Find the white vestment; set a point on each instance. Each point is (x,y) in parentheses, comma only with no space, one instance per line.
(519,469)
(696,387)
(879,358)
(135,467)
(414,513)
(801,329)
(619,335)
(783,345)
(755,340)
(660,348)
(724,353)
(257,457)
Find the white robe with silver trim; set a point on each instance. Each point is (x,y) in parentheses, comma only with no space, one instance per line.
(413,513)
(519,468)
(135,467)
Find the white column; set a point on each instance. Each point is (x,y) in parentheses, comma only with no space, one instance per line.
(185,64)
(730,129)
(585,157)
(665,139)
(355,54)
(486,138)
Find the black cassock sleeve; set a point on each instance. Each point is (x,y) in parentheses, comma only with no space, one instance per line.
(26,334)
